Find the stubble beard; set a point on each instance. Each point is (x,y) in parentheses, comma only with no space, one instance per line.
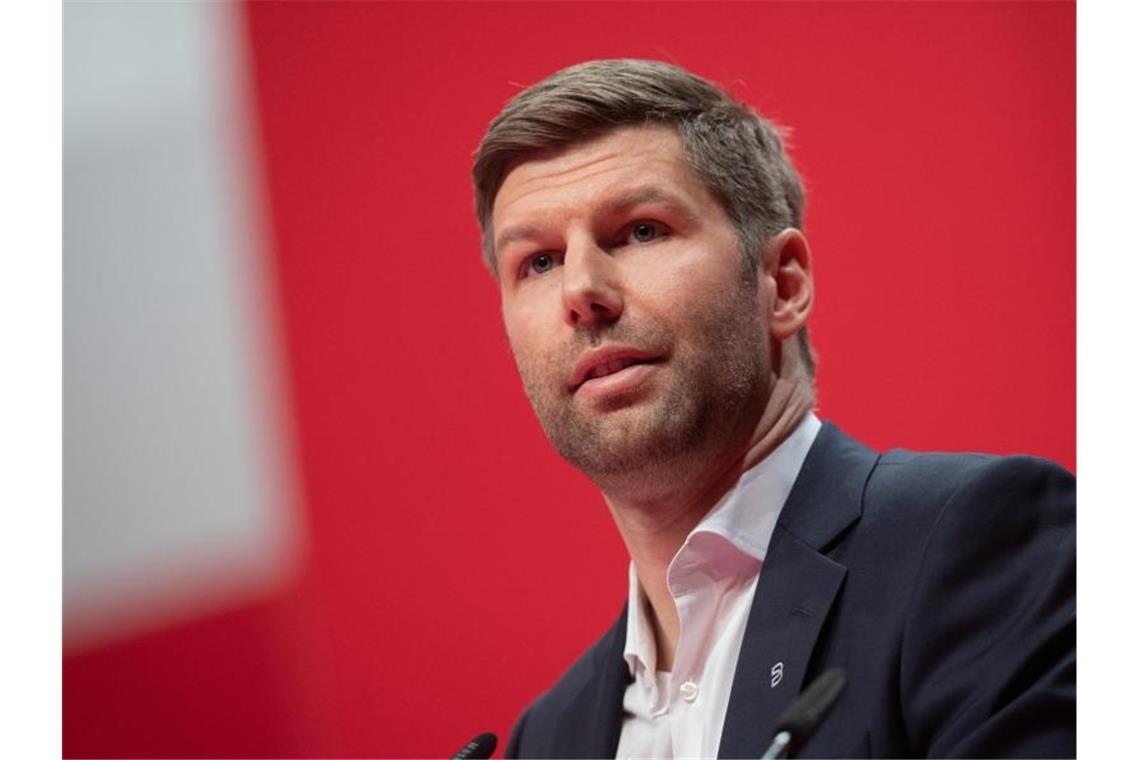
(712,381)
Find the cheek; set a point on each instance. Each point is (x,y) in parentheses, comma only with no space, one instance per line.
(522,354)
(531,345)
(518,322)
(684,299)
(720,320)
(689,271)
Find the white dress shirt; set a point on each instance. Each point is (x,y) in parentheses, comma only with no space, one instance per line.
(712,580)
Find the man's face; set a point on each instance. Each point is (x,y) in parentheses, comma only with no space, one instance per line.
(637,332)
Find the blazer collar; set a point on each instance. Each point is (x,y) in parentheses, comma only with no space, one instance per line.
(828,494)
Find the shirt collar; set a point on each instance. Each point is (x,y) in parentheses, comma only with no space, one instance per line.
(730,541)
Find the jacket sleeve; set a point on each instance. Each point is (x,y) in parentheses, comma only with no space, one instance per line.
(988,660)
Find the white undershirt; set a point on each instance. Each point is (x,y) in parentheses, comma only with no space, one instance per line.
(712,580)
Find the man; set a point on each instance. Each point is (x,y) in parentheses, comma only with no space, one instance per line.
(646,233)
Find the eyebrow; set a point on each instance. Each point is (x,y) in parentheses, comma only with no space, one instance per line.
(610,207)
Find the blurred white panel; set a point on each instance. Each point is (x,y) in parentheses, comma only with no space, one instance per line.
(177,461)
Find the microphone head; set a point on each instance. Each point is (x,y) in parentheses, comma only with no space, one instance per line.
(478,748)
(806,712)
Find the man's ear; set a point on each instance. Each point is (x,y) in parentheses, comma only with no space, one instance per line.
(787,265)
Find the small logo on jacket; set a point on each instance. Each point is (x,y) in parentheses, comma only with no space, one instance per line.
(777,673)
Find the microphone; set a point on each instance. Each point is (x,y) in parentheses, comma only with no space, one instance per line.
(805,714)
(478,748)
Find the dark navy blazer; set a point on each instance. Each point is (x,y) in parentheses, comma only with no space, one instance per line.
(944,584)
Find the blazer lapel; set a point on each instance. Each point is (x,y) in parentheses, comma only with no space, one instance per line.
(796,589)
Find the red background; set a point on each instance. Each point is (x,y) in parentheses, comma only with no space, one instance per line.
(455,564)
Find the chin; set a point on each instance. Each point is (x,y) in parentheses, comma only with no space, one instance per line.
(631,439)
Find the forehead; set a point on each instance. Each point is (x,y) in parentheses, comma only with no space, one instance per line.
(572,180)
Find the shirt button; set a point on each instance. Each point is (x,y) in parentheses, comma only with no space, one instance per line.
(689,691)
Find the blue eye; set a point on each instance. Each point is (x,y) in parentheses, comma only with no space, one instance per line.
(541,263)
(644,232)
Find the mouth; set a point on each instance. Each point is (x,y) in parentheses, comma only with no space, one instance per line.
(603,370)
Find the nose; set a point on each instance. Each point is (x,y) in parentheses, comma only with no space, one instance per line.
(591,293)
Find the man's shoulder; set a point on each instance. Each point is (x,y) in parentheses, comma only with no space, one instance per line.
(989,619)
(932,510)
(959,595)
(905,492)
(910,479)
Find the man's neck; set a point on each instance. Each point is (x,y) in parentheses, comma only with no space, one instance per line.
(654,522)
